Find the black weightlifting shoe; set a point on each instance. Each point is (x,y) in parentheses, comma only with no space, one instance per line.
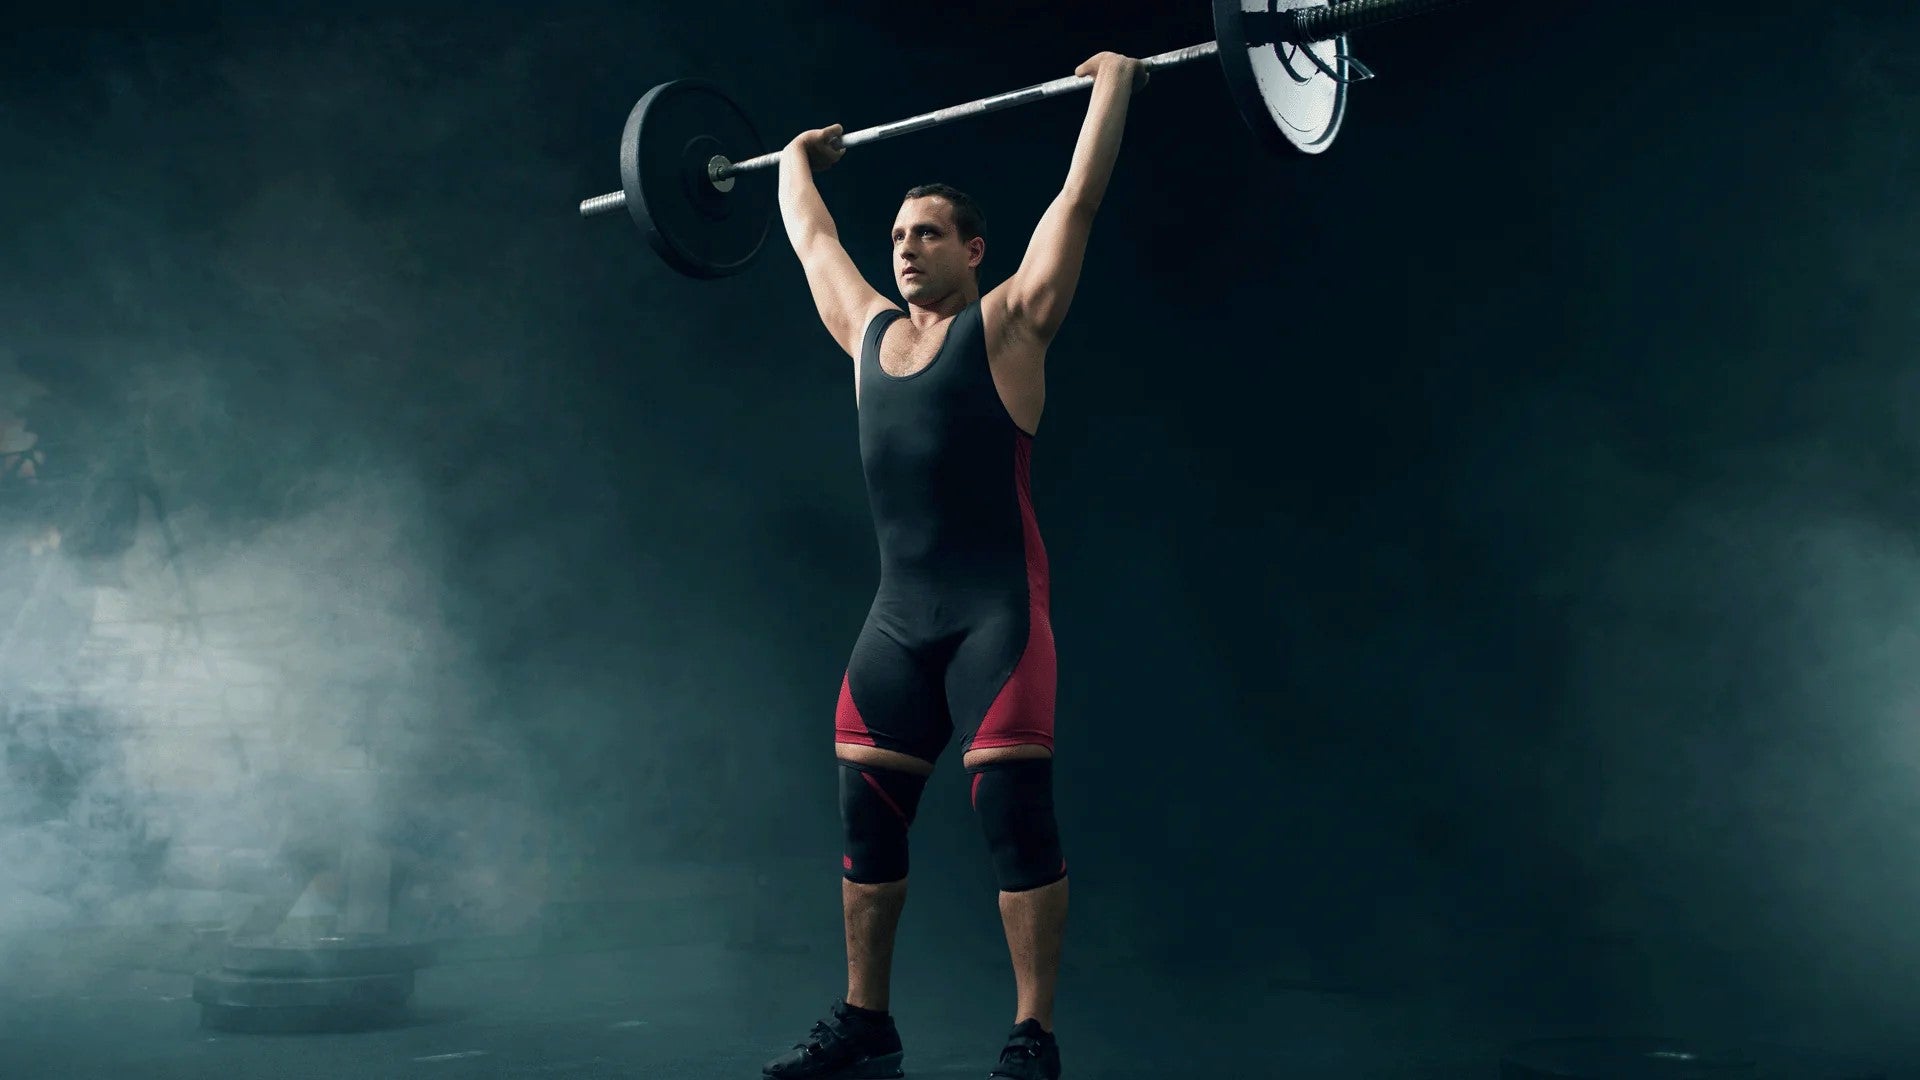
(848,1045)
(1030,1054)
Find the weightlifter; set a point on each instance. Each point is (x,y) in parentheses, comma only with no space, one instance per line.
(949,394)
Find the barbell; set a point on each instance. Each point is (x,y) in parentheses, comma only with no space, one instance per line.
(1286,65)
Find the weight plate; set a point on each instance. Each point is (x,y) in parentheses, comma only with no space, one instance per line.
(324,957)
(1618,1059)
(281,992)
(301,1020)
(670,136)
(1288,102)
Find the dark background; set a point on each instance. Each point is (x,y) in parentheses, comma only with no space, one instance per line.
(1483,554)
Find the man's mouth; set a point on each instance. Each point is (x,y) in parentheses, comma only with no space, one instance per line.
(910,272)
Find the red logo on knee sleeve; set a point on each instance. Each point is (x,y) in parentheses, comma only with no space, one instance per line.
(846,862)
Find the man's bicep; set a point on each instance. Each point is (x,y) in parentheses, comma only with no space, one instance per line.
(842,297)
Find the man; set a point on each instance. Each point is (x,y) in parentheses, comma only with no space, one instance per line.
(949,394)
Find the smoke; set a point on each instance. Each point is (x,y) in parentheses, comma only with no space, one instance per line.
(422,582)
(1741,574)
(190,717)
(238,643)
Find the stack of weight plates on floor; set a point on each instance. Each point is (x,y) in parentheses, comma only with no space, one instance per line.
(319,984)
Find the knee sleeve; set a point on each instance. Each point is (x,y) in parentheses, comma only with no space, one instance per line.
(1014,801)
(876,807)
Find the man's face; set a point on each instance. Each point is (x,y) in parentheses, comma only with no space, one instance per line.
(929,260)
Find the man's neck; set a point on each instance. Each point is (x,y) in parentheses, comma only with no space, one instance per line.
(926,315)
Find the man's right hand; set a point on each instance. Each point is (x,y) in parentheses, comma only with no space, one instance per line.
(818,145)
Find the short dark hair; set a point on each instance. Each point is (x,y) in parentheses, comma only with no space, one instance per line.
(966,214)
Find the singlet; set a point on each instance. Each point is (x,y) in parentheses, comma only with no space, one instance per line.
(947,470)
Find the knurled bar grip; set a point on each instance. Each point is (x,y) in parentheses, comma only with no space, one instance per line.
(1323,23)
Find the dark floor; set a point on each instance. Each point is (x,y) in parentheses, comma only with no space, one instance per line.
(706,1012)
(703,1013)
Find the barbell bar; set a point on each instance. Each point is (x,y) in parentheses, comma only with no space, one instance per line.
(1285,62)
(719,170)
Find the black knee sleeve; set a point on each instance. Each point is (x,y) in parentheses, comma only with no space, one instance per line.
(1014,801)
(876,807)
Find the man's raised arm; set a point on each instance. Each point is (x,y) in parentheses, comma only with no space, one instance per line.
(1040,292)
(840,294)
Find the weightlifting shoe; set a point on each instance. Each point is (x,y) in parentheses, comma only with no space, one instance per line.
(846,1046)
(1030,1054)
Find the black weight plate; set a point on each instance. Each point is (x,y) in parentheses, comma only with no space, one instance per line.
(1619,1059)
(1290,105)
(281,992)
(324,957)
(671,134)
(301,1020)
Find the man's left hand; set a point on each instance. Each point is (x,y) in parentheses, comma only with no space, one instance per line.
(1115,66)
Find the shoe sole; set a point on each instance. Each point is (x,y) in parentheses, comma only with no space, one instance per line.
(884,1067)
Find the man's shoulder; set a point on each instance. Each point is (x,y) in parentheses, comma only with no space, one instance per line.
(879,306)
